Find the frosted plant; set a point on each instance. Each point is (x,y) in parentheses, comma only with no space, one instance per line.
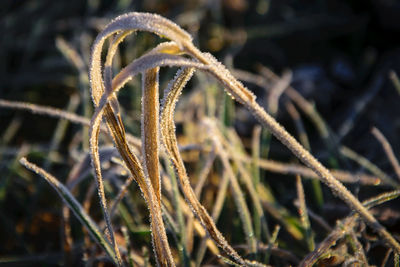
(179,52)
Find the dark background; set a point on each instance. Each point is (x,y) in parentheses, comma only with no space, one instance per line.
(340,53)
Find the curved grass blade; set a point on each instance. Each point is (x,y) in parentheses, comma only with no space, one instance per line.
(170,143)
(111,112)
(150,128)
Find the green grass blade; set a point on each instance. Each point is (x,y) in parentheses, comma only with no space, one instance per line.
(74,205)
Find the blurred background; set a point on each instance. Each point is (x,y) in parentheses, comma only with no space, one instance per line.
(335,49)
(343,56)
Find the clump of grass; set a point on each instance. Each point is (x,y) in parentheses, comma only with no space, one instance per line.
(156,125)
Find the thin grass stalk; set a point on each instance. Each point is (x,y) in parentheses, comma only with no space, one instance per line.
(395,80)
(59,114)
(303,212)
(73,56)
(294,169)
(291,109)
(102,197)
(364,162)
(163,253)
(255,151)
(388,150)
(122,191)
(386,258)
(357,248)
(305,142)
(271,243)
(74,205)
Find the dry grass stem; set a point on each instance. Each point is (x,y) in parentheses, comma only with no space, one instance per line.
(388,150)
(277,90)
(303,212)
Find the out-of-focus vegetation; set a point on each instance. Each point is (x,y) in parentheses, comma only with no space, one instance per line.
(327,70)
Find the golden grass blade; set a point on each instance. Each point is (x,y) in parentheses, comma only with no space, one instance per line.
(160,241)
(150,128)
(74,205)
(170,143)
